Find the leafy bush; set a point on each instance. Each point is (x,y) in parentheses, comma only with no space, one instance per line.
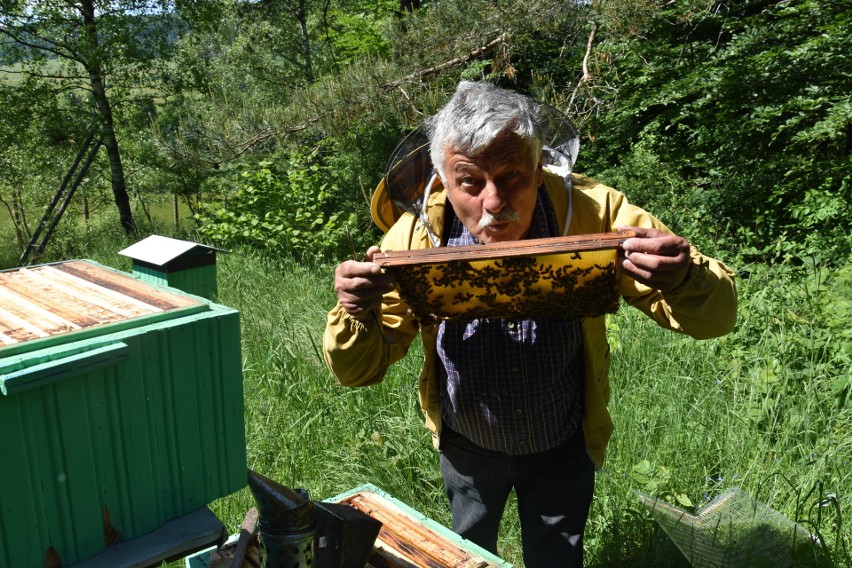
(748,106)
(288,208)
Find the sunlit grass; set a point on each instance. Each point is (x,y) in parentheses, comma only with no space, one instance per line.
(764,409)
(692,418)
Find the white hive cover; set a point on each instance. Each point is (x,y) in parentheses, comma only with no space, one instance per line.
(158,250)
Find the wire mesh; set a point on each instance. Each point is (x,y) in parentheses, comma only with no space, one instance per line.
(733,531)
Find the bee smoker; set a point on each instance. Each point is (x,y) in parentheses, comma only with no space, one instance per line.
(296,532)
(286,523)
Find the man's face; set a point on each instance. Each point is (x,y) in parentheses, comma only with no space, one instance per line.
(494,193)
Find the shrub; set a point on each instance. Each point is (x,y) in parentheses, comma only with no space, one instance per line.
(284,208)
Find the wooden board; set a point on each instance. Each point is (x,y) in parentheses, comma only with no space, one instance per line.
(48,300)
(405,543)
(175,539)
(503,249)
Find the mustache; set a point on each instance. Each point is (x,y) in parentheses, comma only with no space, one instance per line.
(507,214)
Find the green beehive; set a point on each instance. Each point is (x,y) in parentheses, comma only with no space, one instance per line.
(184,265)
(121,408)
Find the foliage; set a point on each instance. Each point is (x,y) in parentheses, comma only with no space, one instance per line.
(361,111)
(811,346)
(97,50)
(730,119)
(41,138)
(735,115)
(290,209)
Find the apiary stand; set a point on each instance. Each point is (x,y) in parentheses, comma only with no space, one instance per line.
(175,539)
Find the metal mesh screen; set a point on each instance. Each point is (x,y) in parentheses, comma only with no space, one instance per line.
(733,530)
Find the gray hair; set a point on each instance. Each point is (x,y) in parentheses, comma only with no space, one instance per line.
(476,115)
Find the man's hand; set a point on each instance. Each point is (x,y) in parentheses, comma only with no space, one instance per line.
(654,258)
(360,285)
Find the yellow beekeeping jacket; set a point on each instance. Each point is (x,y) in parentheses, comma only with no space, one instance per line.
(703,306)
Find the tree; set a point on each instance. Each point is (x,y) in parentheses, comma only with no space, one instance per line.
(732,115)
(106,49)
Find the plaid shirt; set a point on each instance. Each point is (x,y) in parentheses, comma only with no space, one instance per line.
(513,386)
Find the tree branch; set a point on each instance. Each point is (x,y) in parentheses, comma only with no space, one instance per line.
(55,48)
(587,76)
(423,73)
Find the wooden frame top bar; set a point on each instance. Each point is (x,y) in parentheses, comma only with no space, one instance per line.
(507,249)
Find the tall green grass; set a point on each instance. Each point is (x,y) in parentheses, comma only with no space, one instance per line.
(764,409)
(303,428)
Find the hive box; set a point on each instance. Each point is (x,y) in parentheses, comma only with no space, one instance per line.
(121,407)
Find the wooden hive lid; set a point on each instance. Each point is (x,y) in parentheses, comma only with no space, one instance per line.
(46,301)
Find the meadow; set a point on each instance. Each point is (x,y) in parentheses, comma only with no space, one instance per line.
(764,409)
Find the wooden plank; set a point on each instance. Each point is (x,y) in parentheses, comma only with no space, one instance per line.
(505,249)
(99,296)
(49,372)
(175,539)
(407,542)
(15,328)
(126,285)
(49,300)
(49,309)
(113,287)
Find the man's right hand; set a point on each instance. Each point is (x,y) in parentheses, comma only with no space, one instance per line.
(360,285)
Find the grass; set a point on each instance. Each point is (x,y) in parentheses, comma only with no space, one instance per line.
(759,409)
(304,429)
(763,409)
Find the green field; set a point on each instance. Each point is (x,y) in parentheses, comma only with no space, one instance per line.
(763,409)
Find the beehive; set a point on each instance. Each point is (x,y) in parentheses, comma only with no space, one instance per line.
(407,539)
(121,408)
(184,265)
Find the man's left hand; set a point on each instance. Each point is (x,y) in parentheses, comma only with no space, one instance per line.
(656,259)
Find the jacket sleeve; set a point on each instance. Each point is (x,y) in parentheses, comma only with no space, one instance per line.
(703,306)
(360,353)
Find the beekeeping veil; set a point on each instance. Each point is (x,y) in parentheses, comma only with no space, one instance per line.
(410,176)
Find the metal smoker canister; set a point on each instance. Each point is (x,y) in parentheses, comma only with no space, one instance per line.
(286,522)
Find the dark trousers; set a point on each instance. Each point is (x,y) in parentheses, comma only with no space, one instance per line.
(554,491)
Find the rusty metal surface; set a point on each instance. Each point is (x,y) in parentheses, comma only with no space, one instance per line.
(47,300)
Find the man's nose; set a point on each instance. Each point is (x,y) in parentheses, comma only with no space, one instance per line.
(493,198)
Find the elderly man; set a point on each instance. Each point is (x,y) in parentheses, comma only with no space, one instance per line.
(517,404)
